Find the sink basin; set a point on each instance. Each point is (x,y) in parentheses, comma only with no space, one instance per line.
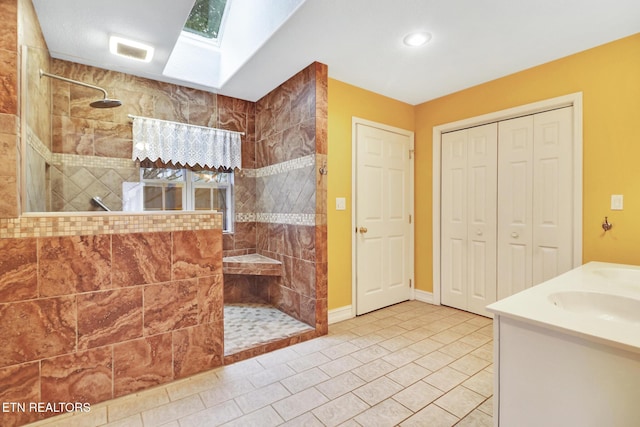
(627,276)
(608,307)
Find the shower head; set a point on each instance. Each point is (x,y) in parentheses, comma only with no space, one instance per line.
(105,102)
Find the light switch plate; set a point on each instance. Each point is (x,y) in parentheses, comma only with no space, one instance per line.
(341,203)
(616,202)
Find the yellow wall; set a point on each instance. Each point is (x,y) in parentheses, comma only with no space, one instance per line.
(609,78)
(345,102)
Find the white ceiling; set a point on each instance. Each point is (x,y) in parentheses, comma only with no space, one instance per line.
(360,40)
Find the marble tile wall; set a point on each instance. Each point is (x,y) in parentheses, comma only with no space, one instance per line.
(290,135)
(9,108)
(90,318)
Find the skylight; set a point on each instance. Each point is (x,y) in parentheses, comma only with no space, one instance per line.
(205,18)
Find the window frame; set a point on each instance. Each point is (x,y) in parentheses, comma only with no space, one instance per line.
(189,186)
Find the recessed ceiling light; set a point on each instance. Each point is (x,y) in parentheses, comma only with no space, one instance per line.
(417,39)
(130,49)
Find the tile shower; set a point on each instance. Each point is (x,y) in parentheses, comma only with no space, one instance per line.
(141,288)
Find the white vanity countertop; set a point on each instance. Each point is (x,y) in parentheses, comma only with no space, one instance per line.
(535,306)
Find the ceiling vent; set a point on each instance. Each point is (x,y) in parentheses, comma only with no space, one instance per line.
(130,49)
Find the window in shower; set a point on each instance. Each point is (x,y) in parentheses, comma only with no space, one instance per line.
(165,189)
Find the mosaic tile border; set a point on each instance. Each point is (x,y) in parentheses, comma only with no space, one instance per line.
(92,161)
(290,165)
(34,142)
(83,225)
(245,217)
(286,218)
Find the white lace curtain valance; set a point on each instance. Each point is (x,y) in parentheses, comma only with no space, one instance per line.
(184,144)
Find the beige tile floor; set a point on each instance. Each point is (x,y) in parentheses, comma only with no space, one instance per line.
(412,364)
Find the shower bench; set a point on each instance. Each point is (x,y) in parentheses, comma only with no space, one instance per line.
(251,264)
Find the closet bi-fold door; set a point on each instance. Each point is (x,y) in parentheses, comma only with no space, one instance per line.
(534,211)
(468,241)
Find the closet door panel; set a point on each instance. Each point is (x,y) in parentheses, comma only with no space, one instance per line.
(515,190)
(482,202)
(454,219)
(552,209)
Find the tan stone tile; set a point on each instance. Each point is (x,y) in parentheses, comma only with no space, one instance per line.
(378,390)
(261,397)
(432,416)
(340,385)
(340,366)
(481,383)
(339,410)
(446,378)
(460,401)
(408,374)
(304,380)
(418,395)
(172,411)
(469,364)
(299,403)
(128,406)
(386,413)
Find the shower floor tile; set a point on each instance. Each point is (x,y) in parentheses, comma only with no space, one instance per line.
(247,325)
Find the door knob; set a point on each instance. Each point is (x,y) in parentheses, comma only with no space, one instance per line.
(515,235)
(478,232)
(363,230)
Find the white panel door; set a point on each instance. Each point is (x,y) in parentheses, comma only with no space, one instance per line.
(468,239)
(552,183)
(515,189)
(454,220)
(482,217)
(384,260)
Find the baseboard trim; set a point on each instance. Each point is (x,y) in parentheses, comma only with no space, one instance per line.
(423,296)
(340,314)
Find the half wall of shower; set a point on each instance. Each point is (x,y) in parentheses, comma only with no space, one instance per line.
(77,152)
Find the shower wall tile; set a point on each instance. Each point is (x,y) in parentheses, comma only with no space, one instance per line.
(141,258)
(84,376)
(9,203)
(142,364)
(166,106)
(245,235)
(37,329)
(245,194)
(112,139)
(233,113)
(203,108)
(18,269)
(74,264)
(8,81)
(9,28)
(210,299)
(170,306)
(196,253)
(8,124)
(72,135)
(21,383)
(241,288)
(197,349)
(308,310)
(109,317)
(303,279)
(60,96)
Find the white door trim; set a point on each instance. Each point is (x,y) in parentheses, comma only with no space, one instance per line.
(359,121)
(575,100)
